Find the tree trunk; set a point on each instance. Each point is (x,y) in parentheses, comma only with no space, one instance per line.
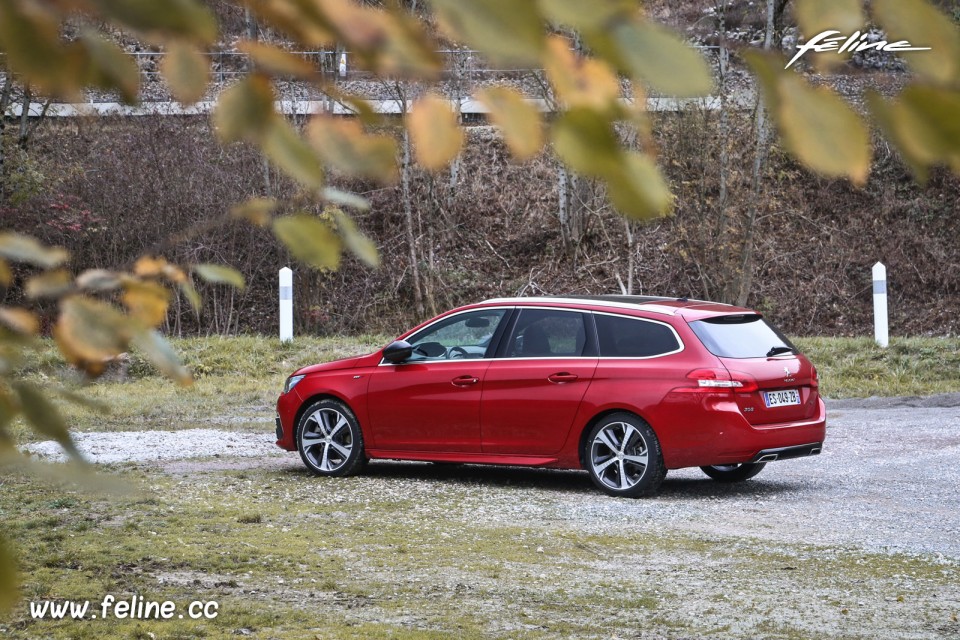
(759,158)
(408,219)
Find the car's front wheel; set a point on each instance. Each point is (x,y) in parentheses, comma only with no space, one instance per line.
(734,472)
(329,439)
(623,456)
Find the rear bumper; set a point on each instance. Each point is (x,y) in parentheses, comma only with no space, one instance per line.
(785,453)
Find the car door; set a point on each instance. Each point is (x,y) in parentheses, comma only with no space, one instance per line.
(531,394)
(431,402)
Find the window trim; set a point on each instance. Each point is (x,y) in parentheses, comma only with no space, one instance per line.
(494,340)
(638,318)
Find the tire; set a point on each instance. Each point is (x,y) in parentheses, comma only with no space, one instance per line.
(623,456)
(329,439)
(734,472)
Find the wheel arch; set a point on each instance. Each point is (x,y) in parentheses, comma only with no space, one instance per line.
(585,432)
(324,395)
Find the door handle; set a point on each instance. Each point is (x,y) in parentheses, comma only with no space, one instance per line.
(563,377)
(465,381)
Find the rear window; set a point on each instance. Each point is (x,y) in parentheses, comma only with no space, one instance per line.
(741,336)
(627,338)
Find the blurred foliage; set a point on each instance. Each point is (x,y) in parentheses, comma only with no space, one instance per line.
(102,313)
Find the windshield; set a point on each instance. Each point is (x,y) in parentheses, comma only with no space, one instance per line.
(741,336)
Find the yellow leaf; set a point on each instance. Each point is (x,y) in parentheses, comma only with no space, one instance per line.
(187,71)
(44,416)
(506,31)
(639,190)
(276,61)
(436,135)
(309,240)
(6,275)
(146,301)
(161,354)
(342,143)
(51,284)
(89,331)
(659,58)
(256,210)
(578,81)
(284,146)
(149,266)
(407,49)
(304,21)
(111,67)
(816,125)
(359,244)
(164,19)
(219,274)
(245,110)
(20,248)
(517,118)
(19,320)
(920,24)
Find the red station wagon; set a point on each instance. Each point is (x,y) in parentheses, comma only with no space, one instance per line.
(625,387)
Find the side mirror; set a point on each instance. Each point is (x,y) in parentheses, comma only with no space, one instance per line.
(397,351)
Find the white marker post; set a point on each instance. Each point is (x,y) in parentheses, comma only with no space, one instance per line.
(286,305)
(881,330)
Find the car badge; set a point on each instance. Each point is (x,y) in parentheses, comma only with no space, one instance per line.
(786,370)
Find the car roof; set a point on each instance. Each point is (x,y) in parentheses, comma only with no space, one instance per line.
(689,309)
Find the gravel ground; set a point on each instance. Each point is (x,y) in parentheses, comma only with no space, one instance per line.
(887,479)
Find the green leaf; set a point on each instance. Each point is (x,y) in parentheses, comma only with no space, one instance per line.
(506,31)
(519,120)
(161,19)
(162,355)
(80,400)
(111,67)
(245,110)
(9,578)
(816,16)
(309,240)
(342,143)
(291,154)
(44,416)
(220,274)
(276,61)
(816,125)
(663,61)
(436,135)
(98,280)
(586,142)
(923,124)
(187,72)
(345,198)
(20,248)
(592,16)
(639,191)
(30,38)
(920,24)
(359,244)
(190,293)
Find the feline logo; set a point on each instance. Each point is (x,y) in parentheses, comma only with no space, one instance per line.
(831,40)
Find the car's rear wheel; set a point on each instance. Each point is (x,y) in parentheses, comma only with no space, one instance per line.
(329,439)
(734,472)
(622,454)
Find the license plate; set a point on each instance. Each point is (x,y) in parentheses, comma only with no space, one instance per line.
(781,398)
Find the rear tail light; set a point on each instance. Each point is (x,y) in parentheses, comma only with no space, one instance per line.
(815,378)
(721,380)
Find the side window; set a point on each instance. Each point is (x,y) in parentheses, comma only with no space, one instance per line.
(547,333)
(630,338)
(466,335)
